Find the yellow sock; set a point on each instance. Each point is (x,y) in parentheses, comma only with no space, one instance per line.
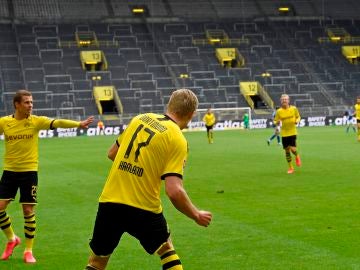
(29,229)
(170,260)
(5,225)
(288,159)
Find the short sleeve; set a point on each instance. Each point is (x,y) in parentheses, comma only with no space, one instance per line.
(43,122)
(177,157)
(1,125)
(276,117)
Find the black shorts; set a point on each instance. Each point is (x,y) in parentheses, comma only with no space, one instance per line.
(208,128)
(358,121)
(27,182)
(114,219)
(288,141)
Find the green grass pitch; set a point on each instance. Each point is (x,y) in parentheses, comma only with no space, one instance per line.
(263,219)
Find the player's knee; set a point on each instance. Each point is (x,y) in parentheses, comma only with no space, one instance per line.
(4,204)
(28,210)
(164,248)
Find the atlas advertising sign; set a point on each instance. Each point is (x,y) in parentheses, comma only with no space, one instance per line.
(313,121)
(74,132)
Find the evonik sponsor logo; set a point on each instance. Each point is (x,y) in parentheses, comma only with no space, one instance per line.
(19,137)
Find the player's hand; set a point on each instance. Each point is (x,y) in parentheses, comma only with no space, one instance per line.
(87,122)
(204,218)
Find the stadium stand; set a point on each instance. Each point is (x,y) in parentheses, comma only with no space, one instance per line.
(149,56)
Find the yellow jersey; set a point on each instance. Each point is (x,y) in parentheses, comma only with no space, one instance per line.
(357,111)
(288,117)
(209,119)
(151,148)
(21,141)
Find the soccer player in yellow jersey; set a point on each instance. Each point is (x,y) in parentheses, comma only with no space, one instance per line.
(152,150)
(288,117)
(209,120)
(357,115)
(21,165)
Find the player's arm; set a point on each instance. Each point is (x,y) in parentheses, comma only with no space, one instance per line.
(277,119)
(64,123)
(113,151)
(179,198)
(297,116)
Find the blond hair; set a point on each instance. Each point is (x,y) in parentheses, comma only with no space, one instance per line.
(182,102)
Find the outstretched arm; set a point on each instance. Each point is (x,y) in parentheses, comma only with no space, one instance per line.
(87,122)
(179,198)
(64,123)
